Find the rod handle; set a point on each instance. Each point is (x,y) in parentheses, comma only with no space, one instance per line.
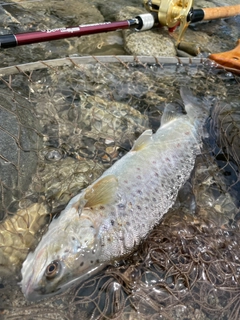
(221,12)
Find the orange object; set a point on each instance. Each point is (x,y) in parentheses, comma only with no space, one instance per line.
(221,12)
(229,60)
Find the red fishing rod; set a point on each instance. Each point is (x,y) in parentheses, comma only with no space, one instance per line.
(170,13)
(141,22)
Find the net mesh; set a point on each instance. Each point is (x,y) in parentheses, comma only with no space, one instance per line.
(62,123)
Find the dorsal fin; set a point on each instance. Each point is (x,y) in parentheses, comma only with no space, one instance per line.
(101,192)
(170,113)
(196,108)
(142,140)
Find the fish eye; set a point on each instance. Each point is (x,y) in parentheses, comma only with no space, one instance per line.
(52,269)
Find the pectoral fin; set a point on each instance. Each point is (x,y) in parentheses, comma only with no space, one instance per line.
(143,140)
(101,192)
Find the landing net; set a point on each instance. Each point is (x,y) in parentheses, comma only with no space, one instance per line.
(62,123)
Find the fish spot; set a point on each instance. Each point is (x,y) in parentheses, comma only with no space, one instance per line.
(154,162)
(121,206)
(91,261)
(167,159)
(102,208)
(125,181)
(139,208)
(81,264)
(187,133)
(138,169)
(97,261)
(73,238)
(156,190)
(154,199)
(139,191)
(112,222)
(128,223)
(156,174)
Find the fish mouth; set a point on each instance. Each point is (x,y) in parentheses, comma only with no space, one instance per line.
(34,294)
(29,292)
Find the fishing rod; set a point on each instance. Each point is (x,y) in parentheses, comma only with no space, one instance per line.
(170,13)
(141,22)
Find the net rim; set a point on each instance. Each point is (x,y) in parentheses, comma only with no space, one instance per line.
(124,59)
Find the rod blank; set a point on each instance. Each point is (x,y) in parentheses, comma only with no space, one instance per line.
(141,22)
(13,40)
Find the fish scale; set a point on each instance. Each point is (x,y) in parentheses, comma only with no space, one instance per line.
(110,217)
(160,186)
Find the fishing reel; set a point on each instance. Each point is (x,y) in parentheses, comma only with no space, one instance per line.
(172,13)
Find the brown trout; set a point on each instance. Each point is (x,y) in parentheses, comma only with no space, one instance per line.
(110,217)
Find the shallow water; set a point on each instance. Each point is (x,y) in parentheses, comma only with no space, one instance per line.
(86,117)
(64,125)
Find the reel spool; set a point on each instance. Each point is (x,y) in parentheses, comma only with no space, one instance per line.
(171,13)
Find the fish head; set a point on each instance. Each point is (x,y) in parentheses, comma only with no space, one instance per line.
(66,255)
(71,250)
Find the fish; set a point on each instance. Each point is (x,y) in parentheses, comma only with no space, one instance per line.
(108,219)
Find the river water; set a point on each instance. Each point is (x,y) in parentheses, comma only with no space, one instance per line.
(64,122)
